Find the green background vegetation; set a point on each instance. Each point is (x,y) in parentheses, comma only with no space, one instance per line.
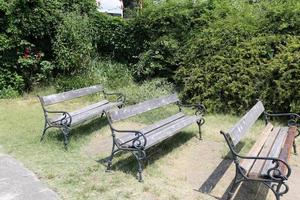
(224,53)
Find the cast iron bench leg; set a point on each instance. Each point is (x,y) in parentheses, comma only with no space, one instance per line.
(140,155)
(44,131)
(109,162)
(65,130)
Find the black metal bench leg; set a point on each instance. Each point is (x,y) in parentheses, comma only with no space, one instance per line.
(295,147)
(236,181)
(65,131)
(140,155)
(109,162)
(44,131)
(200,132)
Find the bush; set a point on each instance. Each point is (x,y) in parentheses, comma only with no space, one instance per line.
(73,44)
(234,61)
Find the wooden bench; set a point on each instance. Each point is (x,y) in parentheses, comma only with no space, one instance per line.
(65,120)
(267,161)
(137,141)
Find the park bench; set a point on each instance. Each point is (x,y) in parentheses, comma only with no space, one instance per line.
(65,120)
(138,141)
(267,160)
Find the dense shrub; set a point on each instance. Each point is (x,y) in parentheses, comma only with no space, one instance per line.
(235,61)
(73,43)
(27,31)
(226,53)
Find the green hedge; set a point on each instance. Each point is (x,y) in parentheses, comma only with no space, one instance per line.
(226,53)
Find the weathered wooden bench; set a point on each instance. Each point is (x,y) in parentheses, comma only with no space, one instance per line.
(138,141)
(65,120)
(267,161)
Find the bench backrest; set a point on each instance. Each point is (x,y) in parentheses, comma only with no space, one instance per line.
(65,96)
(142,107)
(240,129)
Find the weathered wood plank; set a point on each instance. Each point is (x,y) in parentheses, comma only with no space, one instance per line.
(275,151)
(256,148)
(163,132)
(258,165)
(158,136)
(89,112)
(65,96)
(287,147)
(159,124)
(240,129)
(142,107)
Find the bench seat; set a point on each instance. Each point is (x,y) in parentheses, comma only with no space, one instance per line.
(138,141)
(66,120)
(87,113)
(267,160)
(160,130)
(274,142)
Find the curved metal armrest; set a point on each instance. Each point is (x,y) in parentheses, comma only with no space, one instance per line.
(65,116)
(200,108)
(137,142)
(274,160)
(294,117)
(120,96)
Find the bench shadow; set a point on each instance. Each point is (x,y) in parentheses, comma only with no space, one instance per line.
(213,179)
(78,132)
(128,165)
(247,190)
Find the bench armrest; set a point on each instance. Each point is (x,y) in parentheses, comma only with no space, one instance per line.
(200,108)
(139,141)
(294,117)
(65,119)
(120,96)
(274,169)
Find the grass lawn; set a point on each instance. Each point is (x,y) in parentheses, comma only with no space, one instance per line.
(175,170)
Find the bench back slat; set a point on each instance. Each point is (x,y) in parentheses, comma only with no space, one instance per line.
(65,96)
(247,121)
(142,107)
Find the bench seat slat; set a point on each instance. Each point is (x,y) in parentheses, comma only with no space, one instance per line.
(158,136)
(90,111)
(152,127)
(258,165)
(275,151)
(142,107)
(163,131)
(65,96)
(286,150)
(256,148)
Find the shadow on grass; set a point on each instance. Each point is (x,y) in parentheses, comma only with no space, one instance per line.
(129,164)
(247,190)
(218,173)
(77,132)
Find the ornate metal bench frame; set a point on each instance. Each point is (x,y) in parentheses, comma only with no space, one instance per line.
(140,141)
(276,180)
(65,122)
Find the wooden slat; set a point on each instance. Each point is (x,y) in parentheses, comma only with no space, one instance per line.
(258,165)
(158,136)
(256,148)
(164,132)
(241,128)
(275,151)
(65,96)
(142,107)
(89,112)
(152,127)
(82,110)
(287,147)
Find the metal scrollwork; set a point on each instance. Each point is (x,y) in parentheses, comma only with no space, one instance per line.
(200,109)
(139,141)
